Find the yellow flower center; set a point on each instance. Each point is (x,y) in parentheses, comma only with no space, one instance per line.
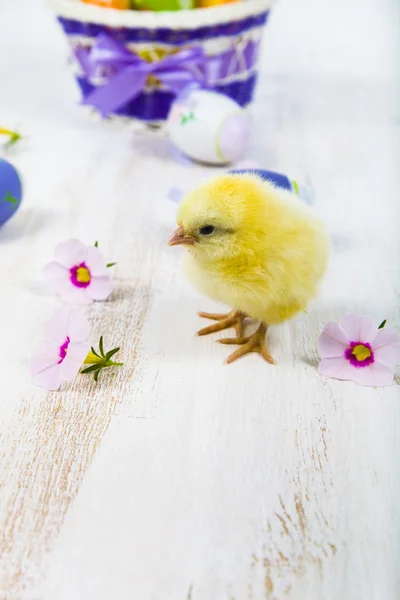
(361,352)
(83,275)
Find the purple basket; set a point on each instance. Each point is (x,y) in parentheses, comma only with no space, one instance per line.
(229,37)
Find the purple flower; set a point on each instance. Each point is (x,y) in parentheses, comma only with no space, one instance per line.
(61,354)
(356,349)
(79,273)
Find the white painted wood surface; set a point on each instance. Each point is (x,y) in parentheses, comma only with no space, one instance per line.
(177,477)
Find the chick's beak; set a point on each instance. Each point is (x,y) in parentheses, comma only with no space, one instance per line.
(179,237)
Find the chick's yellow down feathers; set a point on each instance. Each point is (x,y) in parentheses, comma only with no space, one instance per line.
(253,246)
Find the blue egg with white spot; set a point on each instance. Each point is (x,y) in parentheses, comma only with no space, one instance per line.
(10,191)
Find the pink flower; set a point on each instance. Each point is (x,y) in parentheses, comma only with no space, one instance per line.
(79,273)
(60,355)
(356,349)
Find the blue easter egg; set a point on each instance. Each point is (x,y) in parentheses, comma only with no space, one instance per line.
(10,191)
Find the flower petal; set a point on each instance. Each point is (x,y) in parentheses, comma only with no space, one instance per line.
(70,368)
(74,360)
(95,261)
(56,275)
(74,295)
(386,346)
(376,374)
(63,287)
(43,356)
(332,341)
(77,327)
(49,378)
(56,328)
(78,351)
(359,328)
(70,253)
(336,367)
(100,288)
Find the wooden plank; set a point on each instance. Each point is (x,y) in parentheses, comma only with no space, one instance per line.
(178,477)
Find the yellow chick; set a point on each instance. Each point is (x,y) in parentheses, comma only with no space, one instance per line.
(253,246)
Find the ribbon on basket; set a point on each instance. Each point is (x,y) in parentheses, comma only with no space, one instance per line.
(129,72)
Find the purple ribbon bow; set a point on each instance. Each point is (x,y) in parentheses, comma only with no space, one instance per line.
(129,72)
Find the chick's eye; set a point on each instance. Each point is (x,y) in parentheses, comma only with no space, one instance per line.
(207,230)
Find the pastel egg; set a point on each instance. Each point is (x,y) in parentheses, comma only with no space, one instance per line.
(209,127)
(10,191)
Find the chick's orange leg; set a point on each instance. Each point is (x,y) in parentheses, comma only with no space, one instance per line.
(252,343)
(234,318)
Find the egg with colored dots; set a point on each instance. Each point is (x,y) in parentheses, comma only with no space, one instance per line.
(10,191)
(209,127)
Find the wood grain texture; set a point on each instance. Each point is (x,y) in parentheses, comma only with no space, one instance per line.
(178,477)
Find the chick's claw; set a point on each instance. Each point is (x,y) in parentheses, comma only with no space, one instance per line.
(214,316)
(253,343)
(234,318)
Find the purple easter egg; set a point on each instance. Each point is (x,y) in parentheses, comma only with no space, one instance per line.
(10,191)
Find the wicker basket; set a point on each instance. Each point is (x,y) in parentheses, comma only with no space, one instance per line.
(229,36)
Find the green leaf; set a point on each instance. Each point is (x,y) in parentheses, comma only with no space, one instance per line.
(96,244)
(382,325)
(111,353)
(13,139)
(101,346)
(108,265)
(94,352)
(96,375)
(91,369)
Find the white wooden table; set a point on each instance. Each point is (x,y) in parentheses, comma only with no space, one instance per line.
(177,477)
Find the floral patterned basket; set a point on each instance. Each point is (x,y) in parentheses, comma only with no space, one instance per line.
(133,63)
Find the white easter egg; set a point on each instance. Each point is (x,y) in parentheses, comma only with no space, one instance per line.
(209,127)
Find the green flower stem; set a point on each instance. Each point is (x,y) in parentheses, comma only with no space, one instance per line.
(13,136)
(100,360)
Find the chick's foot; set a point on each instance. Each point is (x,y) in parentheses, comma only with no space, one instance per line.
(234,318)
(252,343)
